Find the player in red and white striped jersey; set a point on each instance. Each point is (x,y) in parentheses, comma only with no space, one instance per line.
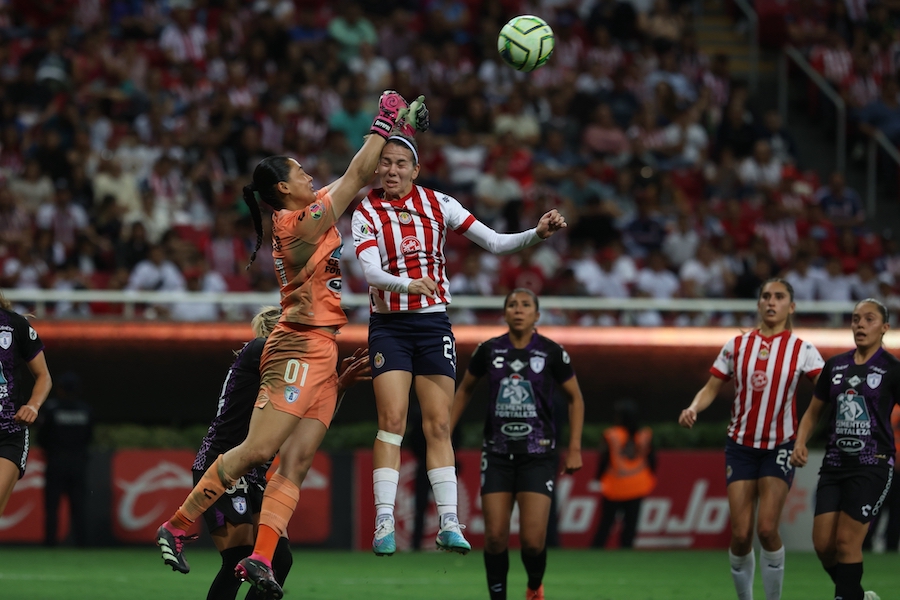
(766,365)
(399,232)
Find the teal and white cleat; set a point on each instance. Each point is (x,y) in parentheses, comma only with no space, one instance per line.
(871,596)
(450,538)
(384,543)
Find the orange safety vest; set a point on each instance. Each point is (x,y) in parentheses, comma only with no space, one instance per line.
(629,475)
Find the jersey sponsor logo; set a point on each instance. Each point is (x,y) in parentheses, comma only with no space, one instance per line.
(379,360)
(240,504)
(316,211)
(334,285)
(759,380)
(410,245)
(516,430)
(5,339)
(516,365)
(404,217)
(291,394)
(364,229)
(852,417)
(873,380)
(537,363)
(854,381)
(850,445)
(515,400)
(32,333)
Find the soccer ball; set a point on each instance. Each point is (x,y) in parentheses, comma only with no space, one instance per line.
(525,43)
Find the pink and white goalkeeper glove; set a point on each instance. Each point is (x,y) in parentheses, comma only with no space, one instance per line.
(391,108)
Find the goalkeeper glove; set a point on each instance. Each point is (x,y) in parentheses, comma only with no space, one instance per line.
(390,106)
(414,118)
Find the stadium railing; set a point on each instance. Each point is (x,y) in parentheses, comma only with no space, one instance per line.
(793,54)
(879,139)
(41,300)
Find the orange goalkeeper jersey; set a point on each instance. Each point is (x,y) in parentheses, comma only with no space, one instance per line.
(306,247)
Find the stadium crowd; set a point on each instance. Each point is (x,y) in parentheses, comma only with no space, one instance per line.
(127,128)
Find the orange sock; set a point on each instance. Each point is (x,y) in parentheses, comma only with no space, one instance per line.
(209,489)
(279,503)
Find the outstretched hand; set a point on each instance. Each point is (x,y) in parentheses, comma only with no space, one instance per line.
(353,369)
(687,418)
(550,223)
(413,118)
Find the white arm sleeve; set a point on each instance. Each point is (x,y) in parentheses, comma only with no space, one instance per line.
(501,243)
(377,277)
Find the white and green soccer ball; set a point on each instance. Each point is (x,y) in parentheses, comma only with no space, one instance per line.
(525,43)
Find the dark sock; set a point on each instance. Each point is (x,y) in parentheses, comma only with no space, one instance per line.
(535,565)
(281,565)
(225,585)
(848,581)
(832,572)
(497,567)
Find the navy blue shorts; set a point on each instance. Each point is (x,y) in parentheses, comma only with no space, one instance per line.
(746,462)
(421,343)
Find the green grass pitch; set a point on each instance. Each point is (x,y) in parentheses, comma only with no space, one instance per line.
(138,573)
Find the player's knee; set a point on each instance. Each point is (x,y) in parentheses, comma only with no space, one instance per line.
(495,544)
(436,429)
(741,540)
(389,438)
(767,530)
(531,548)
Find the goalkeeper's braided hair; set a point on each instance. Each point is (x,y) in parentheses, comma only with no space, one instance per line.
(266,176)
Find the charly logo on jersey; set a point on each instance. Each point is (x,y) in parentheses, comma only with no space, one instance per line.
(852,420)
(240,504)
(291,394)
(410,245)
(379,360)
(316,211)
(5,339)
(537,363)
(516,430)
(516,365)
(404,217)
(515,400)
(759,380)
(854,381)
(873,380)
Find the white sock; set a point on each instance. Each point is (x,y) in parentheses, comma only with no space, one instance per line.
(772,566)
(443,484)
(384,485)
(742,570)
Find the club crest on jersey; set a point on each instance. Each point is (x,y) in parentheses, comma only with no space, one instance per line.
(316,211)
(537,363)
(32,333)
(759,380)
(873,380)
(763,354)
(240,504)
(291,394)
(405,217)
(5,339)
(379,360)
(410,245)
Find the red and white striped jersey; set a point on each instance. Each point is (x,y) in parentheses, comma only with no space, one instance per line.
(766,372)
(409,233)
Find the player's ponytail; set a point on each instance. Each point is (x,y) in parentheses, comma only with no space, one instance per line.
(5,304)
(267,174)
(265,321)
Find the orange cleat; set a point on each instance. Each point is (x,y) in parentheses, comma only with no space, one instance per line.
(537,594)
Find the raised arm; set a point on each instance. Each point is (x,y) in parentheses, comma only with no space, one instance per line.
(507,243)
(801,454)
(701,402)
(576,424)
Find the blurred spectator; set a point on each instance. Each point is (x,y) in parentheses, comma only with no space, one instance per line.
(840,204)
(705,275)
(681,241)
(465,160)
(199,279)
(781,142)
(156,272)
(779,231)
(14,221)
(882,114)
(522,272)
(498,197)
(804,277)
(603,136)
(352,121)
(761,171)
(24,270)
(835,286)
(63,217)
(351,29)
(471,280)
(33,188)
(182,40)
(658,282)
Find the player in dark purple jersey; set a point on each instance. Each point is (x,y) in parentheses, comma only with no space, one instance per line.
(519,460)
(20,347)
(232,520)
(858,389)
